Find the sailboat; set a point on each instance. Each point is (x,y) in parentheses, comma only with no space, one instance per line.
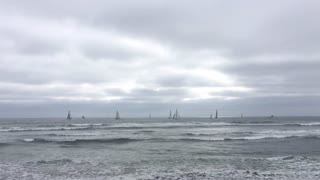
(211,116)
(69,115)
(241,115)
(170,115)
(177,114)
(149,115)
(117,115)
(83,117)
(174,116)
(216,113)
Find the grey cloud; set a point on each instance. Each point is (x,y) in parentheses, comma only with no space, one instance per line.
(152,53)
(295,77)
(243,28)
(30,45)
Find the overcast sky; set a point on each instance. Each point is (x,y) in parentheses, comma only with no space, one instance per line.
(94,57)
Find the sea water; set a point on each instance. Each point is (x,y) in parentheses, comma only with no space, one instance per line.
(160,148)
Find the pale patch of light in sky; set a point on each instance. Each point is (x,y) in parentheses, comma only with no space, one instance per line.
(202,93)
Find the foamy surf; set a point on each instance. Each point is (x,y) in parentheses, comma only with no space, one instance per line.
(161,149)
(28,140)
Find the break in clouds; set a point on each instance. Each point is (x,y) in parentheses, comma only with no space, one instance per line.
(93,57)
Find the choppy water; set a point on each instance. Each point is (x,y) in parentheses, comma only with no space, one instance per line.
(190,148)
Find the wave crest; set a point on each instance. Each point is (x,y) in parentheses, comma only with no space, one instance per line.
(84,141)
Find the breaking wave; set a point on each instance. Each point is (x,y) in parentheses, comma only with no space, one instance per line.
(86,126)
(247,138)
(129,140)
(20,129)
(84,141)
(206,134)
(288,158)
(272,123)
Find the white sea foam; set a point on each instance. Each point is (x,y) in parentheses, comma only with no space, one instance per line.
(28,140)
(161,150)
(311,124)
(18,129)
(85,125)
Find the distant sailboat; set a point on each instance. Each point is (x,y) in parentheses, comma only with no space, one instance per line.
(177,114)
(69,115)
(241,115)
(117,115)
(170,115)
(149,115)
(83,117)
(211,116)
(216,113)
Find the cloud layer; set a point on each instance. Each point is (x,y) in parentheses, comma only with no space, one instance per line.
(143,56)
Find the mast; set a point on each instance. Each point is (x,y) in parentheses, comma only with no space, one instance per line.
(169,115)
(216,113)
(117,115)
(69,115)
(177,114)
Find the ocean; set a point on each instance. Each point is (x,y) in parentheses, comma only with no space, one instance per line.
(159,148)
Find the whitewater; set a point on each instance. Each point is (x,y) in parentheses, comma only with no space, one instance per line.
(159,148)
